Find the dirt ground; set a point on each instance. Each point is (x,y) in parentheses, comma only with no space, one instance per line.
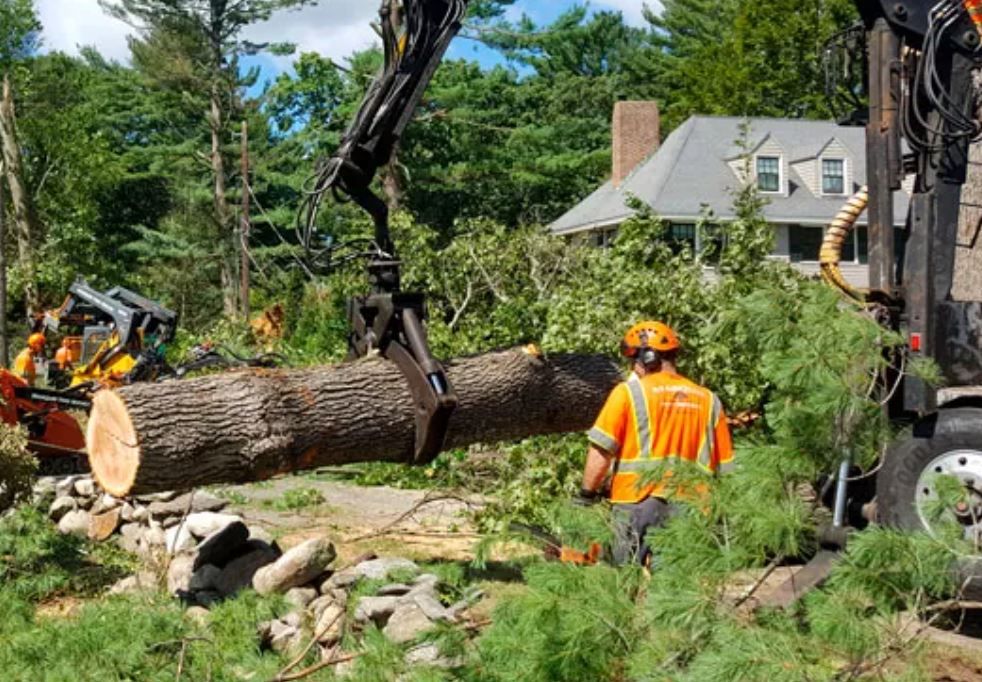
(412,523)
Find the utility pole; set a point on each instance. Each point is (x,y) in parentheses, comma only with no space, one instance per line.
(246,224)
(4,352)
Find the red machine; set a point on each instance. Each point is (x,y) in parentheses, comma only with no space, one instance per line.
(54,434)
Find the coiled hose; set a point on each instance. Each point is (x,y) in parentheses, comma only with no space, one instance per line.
(835,237)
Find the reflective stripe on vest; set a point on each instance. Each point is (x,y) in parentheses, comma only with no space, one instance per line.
(642,419)
(705,459)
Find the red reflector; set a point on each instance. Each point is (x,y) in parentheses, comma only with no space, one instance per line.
(915,343)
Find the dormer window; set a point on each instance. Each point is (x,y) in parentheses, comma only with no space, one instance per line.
(833,176)
(769,173)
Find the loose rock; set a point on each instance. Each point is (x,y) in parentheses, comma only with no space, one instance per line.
(130,535)
(177,506)
(296,567)
(300,597)
(65,487)
(239,572)
(203,524)
(85,487)
(406,624)
(75,523)
(376,609)
(126,512)
(144,581)
(205,579)
(178,538)
(179,574)
(198,614)
(62,506)
(223,544)
(329,624)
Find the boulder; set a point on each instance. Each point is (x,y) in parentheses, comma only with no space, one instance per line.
(200,501)
(300,597)
(373,569)
(379,569)
(283,635)
(296,567)
(197,615)
(205,578)
(85,487)
(165,496)
(141,514)
(130,535)
(179,574)
(238,573)
(145,581)
(430,605)
(104,503)
(377,610)
(75,523)
(126,512)
(65,487)
(221,546)
(179,538)
(102,526)
(393,590)
(61,506)
(406,624)
(260,533)
(203,524)
(329,624)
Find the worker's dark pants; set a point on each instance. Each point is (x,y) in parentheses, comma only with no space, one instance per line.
(631,525)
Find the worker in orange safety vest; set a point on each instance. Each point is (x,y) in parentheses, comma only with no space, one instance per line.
(24,365)
(650,423)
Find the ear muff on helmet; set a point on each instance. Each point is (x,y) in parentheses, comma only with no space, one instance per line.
(648,357)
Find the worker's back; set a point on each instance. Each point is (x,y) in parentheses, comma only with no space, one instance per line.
(668,419)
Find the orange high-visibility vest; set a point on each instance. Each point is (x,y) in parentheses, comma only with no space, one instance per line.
(657,420)
(63,358)
(24,366)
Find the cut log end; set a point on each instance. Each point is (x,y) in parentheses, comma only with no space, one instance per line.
(112,444)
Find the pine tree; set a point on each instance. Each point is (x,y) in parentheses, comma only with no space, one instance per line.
(203,40)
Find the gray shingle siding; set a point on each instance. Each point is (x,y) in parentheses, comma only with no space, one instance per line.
(693,168)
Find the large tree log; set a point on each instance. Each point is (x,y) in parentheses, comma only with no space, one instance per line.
(251,425)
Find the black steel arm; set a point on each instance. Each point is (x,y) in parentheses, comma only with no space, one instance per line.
(416,34)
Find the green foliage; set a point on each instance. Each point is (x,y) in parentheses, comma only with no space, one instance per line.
(18,466)
(298,498)
(572,624)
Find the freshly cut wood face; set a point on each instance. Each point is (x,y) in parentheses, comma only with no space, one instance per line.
(254,424)
(112,435)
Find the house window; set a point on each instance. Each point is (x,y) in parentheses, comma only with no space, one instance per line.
(769,173)
(833,176)
(602,238)
(805,243)
(682,236)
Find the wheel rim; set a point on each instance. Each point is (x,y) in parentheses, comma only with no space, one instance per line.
(966,467)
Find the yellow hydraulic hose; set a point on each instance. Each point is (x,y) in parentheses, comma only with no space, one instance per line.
(835,237)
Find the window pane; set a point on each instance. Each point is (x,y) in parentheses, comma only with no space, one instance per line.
(768,173)
(682,236)
(805,243)
(833,176)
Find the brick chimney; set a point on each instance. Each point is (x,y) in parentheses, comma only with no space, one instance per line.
(636,133)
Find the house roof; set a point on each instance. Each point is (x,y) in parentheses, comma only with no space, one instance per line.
(691,170)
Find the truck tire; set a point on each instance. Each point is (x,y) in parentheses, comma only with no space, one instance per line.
(948,442)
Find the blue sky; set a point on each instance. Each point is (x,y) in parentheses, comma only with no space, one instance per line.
(334,28)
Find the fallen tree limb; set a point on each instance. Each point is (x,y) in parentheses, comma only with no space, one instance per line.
(254,424)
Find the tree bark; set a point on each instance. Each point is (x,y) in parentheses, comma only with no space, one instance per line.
(251,425)
(221,207)
(25,219)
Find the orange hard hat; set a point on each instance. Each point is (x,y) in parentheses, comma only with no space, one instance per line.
(36,341)
(649,334)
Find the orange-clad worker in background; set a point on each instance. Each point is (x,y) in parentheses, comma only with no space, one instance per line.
(24,365)
(651,422)
(63,357)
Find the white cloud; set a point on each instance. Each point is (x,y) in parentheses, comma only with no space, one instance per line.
(333,28)
(71,24)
